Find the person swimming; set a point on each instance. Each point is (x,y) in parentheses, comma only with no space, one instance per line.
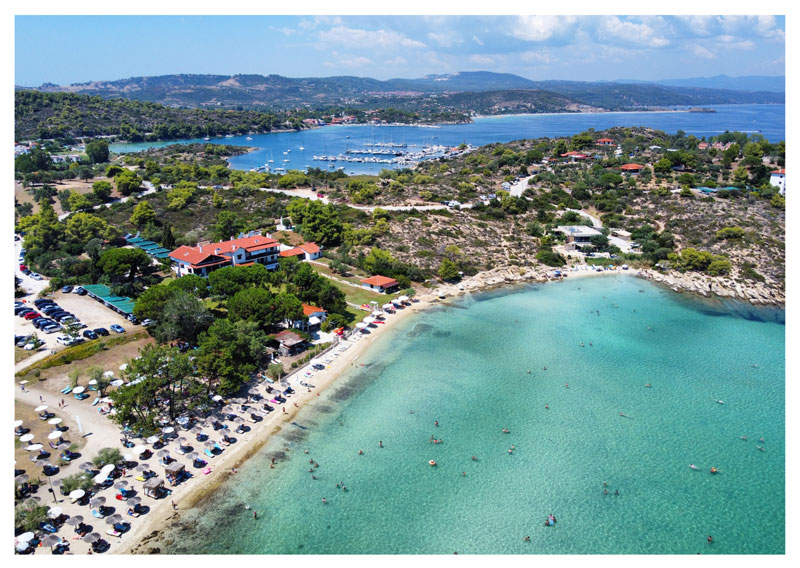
(361,452)
(547,406)
(505,430)
(474,459)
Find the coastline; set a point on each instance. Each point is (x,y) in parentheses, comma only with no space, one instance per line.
(143,538)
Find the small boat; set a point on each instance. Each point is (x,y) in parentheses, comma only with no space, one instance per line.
(719,401)
(302,148)
(714,470)
(206,138)
(691,465)
(248,138)
(432,463)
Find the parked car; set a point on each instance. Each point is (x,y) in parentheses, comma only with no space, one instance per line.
(101,331)
(32,315)
(30,346)
(133,319)
(147,322)
(36,276)
(80,291)
(27,271)
(24,312)
(89,334)
(66,289)
(21,342)
(117,328)
(63,339)
(51,328)
(22,267)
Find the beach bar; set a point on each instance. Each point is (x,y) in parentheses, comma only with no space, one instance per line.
(380,284)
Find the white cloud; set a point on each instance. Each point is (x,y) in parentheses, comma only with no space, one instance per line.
(447,39)
(764,26)
(341,35)
(348,61)
(541,28)
(316,21)
(698,25)
(642,33)
(703,52)
(477,40)
(396,61)
(542,56)
(478,59)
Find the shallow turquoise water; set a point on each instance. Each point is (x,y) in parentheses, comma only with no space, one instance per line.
(466,366)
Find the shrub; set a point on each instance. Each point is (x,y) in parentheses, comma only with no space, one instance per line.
(107,456)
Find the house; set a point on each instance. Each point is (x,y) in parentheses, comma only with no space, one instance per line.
(290,343)
(380,284)
(244,251)
(306,251)
(577,235)
(621,234)
(605,142)
(702,146)
(632,169)
(315,317)
(778,179)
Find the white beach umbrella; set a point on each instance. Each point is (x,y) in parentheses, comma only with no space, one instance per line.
(55,421)
(377,313)
(216,398)
(127,457)
(78,390)
(168,430)
(116,383)
(22,546)
(152,439)
(93,382)
(387,306)
(54,512)
(361,325)
(403,298)
(54,435)
(26,537)
(108,468)
(108,374)
(34,447)
(17,423)
(26,438)
(138,449)
(100,478)
(77,494)
(123,366)
(41,408)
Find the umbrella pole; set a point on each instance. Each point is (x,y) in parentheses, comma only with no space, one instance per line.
(53,491)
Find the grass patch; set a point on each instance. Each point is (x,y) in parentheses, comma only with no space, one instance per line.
(355,294)
(82,351)
(20,354)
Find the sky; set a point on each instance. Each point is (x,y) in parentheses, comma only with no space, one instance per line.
(73,49)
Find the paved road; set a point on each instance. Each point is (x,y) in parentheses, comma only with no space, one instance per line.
(596,223)
(32,287)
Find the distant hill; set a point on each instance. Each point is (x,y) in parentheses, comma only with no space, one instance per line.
(751,83)
(242,92)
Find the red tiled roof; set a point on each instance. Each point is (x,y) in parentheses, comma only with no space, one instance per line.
(605,140)
(248,243)
(780,171)
(310,310)
(310,248)
(632,167)
(292,252)
(195,257)
(381,281)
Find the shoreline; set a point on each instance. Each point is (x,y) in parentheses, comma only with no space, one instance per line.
(144,538)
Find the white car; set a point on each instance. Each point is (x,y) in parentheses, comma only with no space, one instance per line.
(30,346)
(63,339)
(36,276)
(147,323)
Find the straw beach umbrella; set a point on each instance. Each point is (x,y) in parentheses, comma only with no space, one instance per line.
(91,537)
(75,520)
(98,501)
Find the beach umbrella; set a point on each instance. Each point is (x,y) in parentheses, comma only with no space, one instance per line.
(91,537)
(121,485)
(77,494)
(54,435)
(152,439)
(216,398)
(34,447)
(192,456)
(93,382)
(123,366)
(97,501)
(100,478)
(57,482)
(196,430)
(17,423)
(26,537)
(361,325)
(23,382)
(116,518)
(209,444)
(133,501)
(168,430)
(51,540)
(138,449)
(21,478)
(41,408)
(182,440)
(78,390)
(369,319)
(26,438)
(75,520)
(54,512)
(86,466)
(116,383)
(239,420)
(22,546)
(142,467)
(127,457)
(108,374)
(55,421)
(162,453)
(377,313)
(403,298)
(108,468)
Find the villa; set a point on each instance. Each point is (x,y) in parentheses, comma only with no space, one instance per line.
(577,235)
(380,284)
(315,317)
(245,251)
(306,251)
(605,142)
(632,169)
(777,178)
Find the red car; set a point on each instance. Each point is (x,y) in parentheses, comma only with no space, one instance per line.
(32,315)
(320,195)
(23,267)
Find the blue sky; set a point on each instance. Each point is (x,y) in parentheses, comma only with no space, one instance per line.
(70,49)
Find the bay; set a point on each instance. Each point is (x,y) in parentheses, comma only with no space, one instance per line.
(767,120)
(503,359)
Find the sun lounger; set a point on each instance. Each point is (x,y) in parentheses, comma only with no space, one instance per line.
(66,390)
(112,532)
(95,401)
(208,453)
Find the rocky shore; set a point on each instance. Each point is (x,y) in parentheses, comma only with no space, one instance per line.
(704,285)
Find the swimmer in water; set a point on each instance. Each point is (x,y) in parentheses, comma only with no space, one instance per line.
(361,452)
(435,422)
(380,444)
(474,459)
(743,437)
(324,500)
(566,385)
(582,345)
(545,368)
(526,539)
(547,406)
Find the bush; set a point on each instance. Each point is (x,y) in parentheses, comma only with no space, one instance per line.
(550,257)
(28,515)
(107,456)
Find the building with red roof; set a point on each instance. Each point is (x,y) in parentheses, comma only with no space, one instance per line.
(632,168)
(605,142)
(244,251)
(777,178)
(306,251)
(380,284)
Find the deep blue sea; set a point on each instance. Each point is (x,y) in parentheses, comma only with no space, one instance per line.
(768,120)
(565,368)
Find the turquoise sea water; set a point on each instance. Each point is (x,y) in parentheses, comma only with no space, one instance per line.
(467,367)
(768,120)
